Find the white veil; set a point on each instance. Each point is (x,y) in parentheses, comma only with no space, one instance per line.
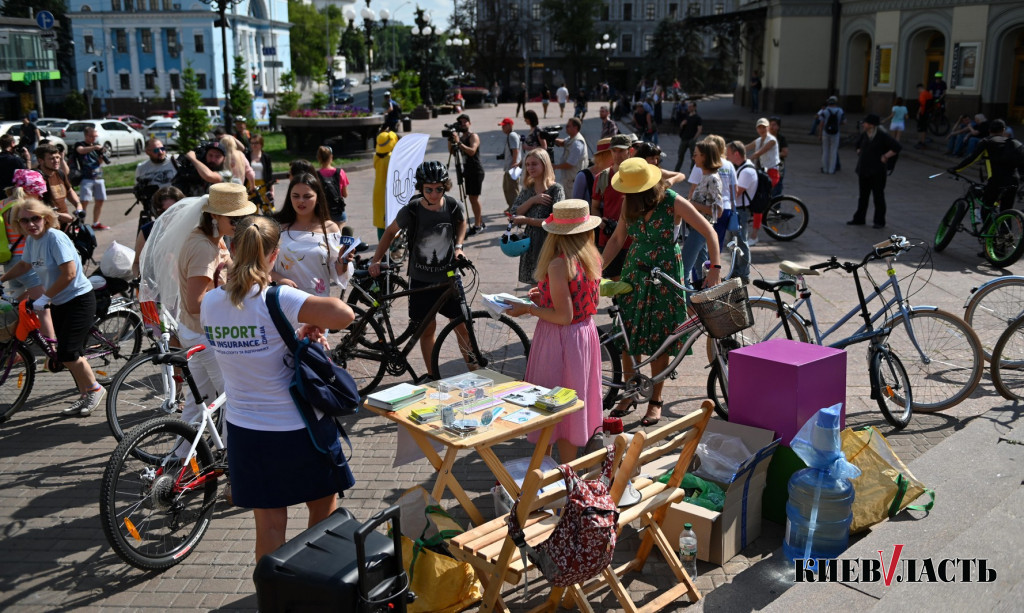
(159,259)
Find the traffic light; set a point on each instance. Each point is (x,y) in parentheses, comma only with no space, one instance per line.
(101,66)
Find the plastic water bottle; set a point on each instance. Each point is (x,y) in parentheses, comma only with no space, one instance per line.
(820,507)
(688,550)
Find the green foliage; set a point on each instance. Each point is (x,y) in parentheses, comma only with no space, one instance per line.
(353,47)
(289,100)
(405,89)
(311,43)
(194,123)
(75,106)
(240,96)
(678,52)
(572,26)
(320,100)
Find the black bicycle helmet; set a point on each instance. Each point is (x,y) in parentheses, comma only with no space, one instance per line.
(431,172)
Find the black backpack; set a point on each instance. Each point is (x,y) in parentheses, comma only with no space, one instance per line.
(83,238)
(761,200)
(332,189)
(74,165)
(832,123)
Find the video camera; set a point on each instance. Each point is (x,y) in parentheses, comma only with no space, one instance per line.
(551,133)
(451,129)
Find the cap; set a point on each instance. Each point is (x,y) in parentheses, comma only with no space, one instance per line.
(507,122)
(872,119)
(387,92)
(938,74)
(762,122)
(832,100)
(620,141)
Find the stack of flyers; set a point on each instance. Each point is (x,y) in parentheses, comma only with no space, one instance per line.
(558,398)
(424,415)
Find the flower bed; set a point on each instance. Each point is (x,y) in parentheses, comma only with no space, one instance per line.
(349,131)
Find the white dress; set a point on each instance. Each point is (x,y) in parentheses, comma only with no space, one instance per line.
(310,262)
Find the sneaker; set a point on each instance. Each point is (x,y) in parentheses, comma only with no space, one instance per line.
(751,242)
(92,401)
(76,406)
(100,226)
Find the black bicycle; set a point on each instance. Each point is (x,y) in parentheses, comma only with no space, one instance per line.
(369,347)
(1001,233)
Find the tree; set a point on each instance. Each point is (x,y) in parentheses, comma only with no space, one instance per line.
(499,41)
(317,33)
(677,51)
(240,96)
(289,100)
(572,26)
(405,89)
(75,105)
(353,47)
(193,122)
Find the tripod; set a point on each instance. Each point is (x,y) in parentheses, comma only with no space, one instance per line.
(454,153)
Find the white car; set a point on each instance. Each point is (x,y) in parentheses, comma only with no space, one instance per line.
(14,129)
(48,122)
(115,136)
(166,130)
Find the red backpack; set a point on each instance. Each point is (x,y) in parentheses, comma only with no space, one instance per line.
(583,541)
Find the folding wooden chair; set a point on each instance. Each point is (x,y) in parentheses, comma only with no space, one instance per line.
(681,435)
(491,551)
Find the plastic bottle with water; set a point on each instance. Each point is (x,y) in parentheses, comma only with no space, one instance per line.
(820,506)
(688,550)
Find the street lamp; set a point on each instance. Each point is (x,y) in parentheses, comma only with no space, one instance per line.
(222,21)
(608,48)
(455,40)
(369,23)
(424,34)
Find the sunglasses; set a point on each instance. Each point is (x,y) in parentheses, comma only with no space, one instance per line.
(433,190)
(28,220)
(159,149)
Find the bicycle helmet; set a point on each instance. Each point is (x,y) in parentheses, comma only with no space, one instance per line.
(514,245)
(431,172)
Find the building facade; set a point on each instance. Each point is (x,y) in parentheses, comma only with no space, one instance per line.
(131,53)
(25,59)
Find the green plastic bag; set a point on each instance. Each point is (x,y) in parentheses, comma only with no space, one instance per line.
(706,493)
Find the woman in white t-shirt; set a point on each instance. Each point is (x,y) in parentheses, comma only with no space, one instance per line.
(707,198)
(272,460)
(310,240)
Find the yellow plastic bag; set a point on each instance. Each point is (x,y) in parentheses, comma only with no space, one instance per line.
(885,485)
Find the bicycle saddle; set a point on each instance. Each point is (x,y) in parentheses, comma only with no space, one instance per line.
(610,288)
(768,286)
(175,357)
(793,268)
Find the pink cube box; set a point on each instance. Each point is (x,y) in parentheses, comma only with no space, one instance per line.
(779,384)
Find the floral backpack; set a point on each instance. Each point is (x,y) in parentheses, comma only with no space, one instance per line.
(583,541)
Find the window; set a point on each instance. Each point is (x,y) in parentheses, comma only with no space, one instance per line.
(200,44)
(115,5)
(535,43)
(166,5)
(200,80)
(154,5)
(627,12)
(673,10)
(693,10)
(90,46)
(719,8)
(129,6)
(172,43)
(150,80)
(175,80)
(648,42)
(147,41)
(121,41)
(555,45)
(513,12)
(535,11)
(605,13)
(649,10)
(126,80)
(627,43)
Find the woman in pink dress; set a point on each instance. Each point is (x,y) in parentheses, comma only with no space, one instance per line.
(566,350)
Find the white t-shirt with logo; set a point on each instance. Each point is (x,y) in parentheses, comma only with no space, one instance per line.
(251,353)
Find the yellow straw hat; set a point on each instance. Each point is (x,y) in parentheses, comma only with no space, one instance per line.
(635,175)
(386,141)
(570,217)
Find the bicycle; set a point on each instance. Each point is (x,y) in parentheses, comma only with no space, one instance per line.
(786,218)
(368,348)
(260,196)
(1008,361)
(1001,233)
(367,290)
(160,485)
(992,306)
(115,336)
(938,123)
(940,352)
(891,387)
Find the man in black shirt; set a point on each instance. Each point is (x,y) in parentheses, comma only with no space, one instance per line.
(1001,156)
(9,162)
(29,135)
(874,147)
(690,128)
(473,170)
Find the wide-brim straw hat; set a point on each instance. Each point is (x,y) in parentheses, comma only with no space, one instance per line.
(603,147)
(230,200)
(635,175)
(570,217)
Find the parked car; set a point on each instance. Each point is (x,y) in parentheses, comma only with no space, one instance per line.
(166,130)
(14,129)
(342,97)
(131,120)
(46,122)
(56,127)
(115,136)
(167,114)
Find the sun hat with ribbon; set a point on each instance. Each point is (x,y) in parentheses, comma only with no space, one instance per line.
(635,175)
(604,147)
(230,200)
(570,217)
(31,181)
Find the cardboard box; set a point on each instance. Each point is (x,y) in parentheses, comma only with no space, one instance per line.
(780,384)
(721,535)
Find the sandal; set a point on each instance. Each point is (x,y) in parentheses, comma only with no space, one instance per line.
(620,412)
(647,419)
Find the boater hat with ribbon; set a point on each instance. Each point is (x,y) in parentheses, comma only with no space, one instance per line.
(570,217)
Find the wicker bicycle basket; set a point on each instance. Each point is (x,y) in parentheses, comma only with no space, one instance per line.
(724,309)
(8,321)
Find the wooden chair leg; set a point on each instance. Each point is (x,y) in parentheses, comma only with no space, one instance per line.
(619,590)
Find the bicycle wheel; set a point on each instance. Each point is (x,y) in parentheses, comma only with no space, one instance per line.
(950,224)
(939,125)
(611,367)
(786,219)
(121,333)
(1008,362)
(362,351)
(951,365)
(397,309)
(768,325)
(1004,238)
(503,347)
(718,391)
(992,307)
(891,388)
(154,506)
(17,374)
(141,392)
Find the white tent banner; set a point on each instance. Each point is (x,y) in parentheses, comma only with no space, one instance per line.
(401,186)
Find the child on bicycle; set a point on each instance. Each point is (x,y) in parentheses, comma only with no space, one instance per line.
(436,226)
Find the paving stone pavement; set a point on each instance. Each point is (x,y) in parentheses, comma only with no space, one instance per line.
(53,555)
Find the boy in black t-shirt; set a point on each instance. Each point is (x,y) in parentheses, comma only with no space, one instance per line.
(435,225)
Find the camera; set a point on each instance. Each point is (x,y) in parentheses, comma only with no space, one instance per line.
(609,226)
(551,133)
(451,129)
(103,156)
(500,157)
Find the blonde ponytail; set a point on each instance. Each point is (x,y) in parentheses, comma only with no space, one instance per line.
(254,241)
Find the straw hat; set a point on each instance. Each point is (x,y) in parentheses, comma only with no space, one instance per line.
(635,175)
(571,217)
(230,200)
(386,141)
(603,147)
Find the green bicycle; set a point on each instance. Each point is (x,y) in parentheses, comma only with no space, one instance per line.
(1001,233)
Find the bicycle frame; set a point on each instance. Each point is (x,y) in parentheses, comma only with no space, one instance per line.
(206,411)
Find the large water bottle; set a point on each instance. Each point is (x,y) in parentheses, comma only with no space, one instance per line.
(688,550)
(820,506)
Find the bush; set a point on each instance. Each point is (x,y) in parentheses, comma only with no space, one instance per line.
(320,100)
(405,89)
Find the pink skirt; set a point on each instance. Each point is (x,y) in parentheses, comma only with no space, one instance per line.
(569,356)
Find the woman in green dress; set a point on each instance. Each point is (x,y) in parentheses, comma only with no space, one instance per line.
(651,312)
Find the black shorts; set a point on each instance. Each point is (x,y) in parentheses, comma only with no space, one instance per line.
(72,322)
(922,123)
(420,303)
(474,183)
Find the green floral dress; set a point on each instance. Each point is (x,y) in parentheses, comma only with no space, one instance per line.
(651,312)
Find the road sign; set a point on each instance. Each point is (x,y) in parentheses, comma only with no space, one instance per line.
(49,34)
(50,45)
(270,51)
(44,19)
